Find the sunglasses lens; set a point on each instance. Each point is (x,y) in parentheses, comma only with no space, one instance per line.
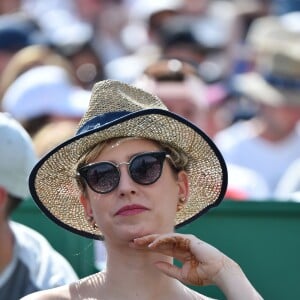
(103,177)
(146,168)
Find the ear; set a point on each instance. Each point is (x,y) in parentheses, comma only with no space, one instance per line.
(86,205)
(183,187)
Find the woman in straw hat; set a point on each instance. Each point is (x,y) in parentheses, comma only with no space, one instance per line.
(132,173)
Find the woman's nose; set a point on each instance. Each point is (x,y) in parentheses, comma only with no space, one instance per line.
(126,183)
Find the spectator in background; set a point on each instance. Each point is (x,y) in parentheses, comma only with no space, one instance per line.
(181,89)
(86,63)
(67,22)
(151,15)
(146,19)
(203,33)
(203,41)
(107,20)
(44,94)
(29,57)
(269,142)
(27,261)
(17,31)
(52,134)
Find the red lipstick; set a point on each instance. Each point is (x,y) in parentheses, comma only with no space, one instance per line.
(130,210)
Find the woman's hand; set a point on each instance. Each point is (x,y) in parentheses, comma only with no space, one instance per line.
(202,264)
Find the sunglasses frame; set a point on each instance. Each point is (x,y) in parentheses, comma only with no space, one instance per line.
(160,155)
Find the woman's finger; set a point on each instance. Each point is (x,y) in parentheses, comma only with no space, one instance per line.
(171,242)
(171,245)
(185,274)
(169,269)
(145,240)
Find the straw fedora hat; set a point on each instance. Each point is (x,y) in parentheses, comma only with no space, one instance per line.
(275,81)
(120,110)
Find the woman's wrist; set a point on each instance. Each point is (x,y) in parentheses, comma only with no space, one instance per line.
(233,282)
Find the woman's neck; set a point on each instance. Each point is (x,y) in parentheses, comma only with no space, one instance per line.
(131,274)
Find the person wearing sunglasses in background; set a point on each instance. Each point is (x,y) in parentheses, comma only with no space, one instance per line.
(133,173)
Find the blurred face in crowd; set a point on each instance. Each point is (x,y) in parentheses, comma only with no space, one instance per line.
(184,98)
(279,121)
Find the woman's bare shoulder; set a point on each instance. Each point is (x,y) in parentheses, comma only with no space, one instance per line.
(58,293)
(76,290)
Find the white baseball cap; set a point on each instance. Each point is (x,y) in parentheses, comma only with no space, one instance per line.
(17,157)
(144,9)
(45,90)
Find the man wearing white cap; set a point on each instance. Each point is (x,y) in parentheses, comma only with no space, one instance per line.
(27,261)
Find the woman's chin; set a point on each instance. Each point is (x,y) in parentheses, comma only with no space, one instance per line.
(137,233)
(128,233)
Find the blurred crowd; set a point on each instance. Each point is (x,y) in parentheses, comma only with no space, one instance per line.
(222,64)
(230,66)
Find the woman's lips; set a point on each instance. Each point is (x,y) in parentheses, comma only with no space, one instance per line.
(130,210)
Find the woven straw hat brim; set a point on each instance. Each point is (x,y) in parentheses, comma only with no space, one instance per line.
(254,86)
(54,188)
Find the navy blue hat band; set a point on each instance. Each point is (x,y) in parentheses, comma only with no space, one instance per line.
(101,120)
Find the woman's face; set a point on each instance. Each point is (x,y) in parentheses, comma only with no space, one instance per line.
(133,210)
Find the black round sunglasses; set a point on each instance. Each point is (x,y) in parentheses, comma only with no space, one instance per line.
(145,169)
